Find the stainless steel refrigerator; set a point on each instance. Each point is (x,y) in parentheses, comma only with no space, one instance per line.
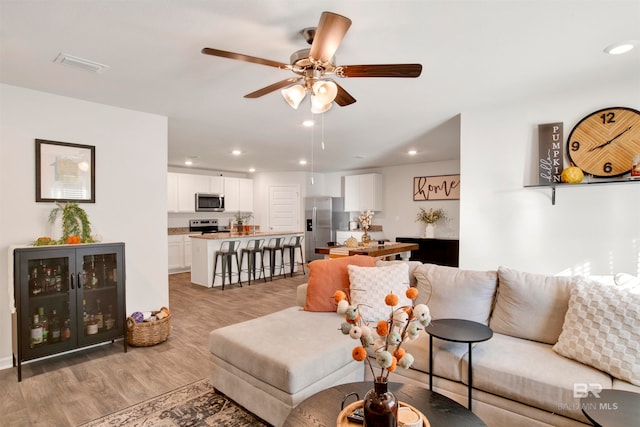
(324,215)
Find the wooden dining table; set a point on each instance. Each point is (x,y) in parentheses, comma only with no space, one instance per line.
(388,249)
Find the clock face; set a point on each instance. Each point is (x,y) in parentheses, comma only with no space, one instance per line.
(604,142)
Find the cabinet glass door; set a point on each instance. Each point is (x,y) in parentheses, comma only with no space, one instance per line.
(99,293)
(47,323)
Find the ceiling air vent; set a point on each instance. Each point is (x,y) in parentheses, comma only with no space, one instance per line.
(85,64)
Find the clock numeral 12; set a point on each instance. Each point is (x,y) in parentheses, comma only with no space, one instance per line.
(609,117)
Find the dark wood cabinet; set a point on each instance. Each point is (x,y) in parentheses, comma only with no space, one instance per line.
(78,289)
(434,251)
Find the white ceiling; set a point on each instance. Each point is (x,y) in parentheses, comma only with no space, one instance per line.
(474,54)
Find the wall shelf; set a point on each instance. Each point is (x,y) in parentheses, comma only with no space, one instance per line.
(582,184)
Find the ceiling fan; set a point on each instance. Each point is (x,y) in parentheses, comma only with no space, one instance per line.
(314,64)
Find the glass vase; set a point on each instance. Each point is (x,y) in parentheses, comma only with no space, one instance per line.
(380,406)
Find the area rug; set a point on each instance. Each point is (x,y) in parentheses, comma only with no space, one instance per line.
(193,405)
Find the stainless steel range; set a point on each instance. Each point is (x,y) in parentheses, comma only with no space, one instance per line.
(204,226)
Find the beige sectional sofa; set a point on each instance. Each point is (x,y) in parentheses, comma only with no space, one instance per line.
(530,373)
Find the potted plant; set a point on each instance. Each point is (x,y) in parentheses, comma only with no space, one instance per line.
(430,217)
(240,219)
(76,227)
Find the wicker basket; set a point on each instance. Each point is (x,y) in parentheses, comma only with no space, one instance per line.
(145,334)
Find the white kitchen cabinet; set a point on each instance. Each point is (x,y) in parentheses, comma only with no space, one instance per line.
(363,192)
(246,195)
(176,252)
(179,252)
(238,194)
(188,186)
(187,251)
(216,185)
(172,192)
(182,187)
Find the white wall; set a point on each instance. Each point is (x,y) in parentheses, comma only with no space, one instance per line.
(131,167)
(590,230)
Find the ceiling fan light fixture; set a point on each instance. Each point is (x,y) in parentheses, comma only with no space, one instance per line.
(294,95)
(319,107)
(325,91)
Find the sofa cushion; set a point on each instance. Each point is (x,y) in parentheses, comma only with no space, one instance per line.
(369,285)
(530,306)
(455,293)
(412,268)
(329,275)
(447,356)
(602,329)
(289,349)
(532,373)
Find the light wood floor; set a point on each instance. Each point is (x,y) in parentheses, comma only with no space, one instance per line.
(75,388)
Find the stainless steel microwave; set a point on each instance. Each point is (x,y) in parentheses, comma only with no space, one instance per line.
(209,202)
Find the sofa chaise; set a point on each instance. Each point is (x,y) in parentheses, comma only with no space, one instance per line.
(553,338)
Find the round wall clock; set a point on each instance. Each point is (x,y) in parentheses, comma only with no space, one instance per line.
(604,143)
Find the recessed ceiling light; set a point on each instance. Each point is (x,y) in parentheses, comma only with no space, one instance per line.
(188,162)
(412,152)
(252,169)
(302,162)
(236,152)
(621,47)
(308,123)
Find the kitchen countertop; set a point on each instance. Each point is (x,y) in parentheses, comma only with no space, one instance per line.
(180,230)
(219,236)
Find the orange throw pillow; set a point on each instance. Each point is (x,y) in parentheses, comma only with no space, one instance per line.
(329,275)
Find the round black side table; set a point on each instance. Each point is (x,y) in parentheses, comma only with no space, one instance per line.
(457,330)
(612,408)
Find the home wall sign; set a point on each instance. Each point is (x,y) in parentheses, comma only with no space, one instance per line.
(65,172)
(550,154)
(441,187)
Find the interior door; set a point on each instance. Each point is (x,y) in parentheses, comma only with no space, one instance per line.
(284,208)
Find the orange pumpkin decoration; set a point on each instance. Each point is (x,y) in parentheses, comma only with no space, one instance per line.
(73,240)
(412,293)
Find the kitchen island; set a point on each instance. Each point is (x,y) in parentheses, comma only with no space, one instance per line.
(204,247)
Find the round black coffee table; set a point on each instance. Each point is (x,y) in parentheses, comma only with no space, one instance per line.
(457,330)
(612,408)
(323,408)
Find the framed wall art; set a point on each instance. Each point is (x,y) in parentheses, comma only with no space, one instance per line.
(65,172)
(441,187)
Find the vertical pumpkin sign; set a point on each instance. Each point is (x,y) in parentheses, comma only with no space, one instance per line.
(550,155)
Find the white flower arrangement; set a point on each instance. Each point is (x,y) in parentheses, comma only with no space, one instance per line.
(404,323)
(365,219)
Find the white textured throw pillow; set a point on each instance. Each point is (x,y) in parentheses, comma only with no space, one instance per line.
(369,285)
(602,329)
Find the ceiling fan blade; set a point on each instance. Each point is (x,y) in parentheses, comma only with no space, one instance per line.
(381,70)
(246,58)
(330,32)
(268,89)
(343,98)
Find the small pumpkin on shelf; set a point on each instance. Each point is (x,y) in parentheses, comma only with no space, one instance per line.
(572,175)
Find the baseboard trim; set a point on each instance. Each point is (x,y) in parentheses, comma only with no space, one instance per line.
(6,362)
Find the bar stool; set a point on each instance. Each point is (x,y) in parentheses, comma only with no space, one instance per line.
(253,247)
(291,245)
(228,250)
(273,247)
